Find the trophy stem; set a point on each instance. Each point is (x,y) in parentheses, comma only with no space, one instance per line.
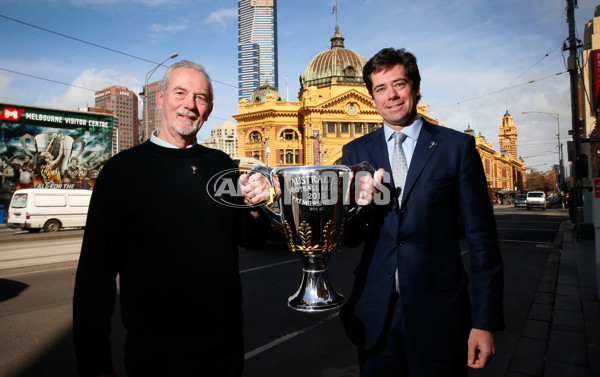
(315,292)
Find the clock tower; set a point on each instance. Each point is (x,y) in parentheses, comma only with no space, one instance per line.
(508,136)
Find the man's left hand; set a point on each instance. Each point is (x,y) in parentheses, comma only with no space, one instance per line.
(482,346)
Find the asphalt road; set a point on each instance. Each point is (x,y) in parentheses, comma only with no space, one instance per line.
(35,303)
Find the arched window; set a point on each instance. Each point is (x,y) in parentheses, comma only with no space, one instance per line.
(288,135)
(255,137)
(350,72)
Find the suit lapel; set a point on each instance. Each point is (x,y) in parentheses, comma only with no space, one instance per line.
(377,148)
(426,145)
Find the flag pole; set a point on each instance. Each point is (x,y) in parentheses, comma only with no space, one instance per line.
(336,13)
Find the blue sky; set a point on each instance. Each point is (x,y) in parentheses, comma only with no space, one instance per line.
(478,58)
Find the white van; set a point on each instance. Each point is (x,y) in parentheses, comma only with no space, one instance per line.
(48,209)
(536,199)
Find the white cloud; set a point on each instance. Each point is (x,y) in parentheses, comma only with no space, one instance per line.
(159,31)
(221,16)
(76,97)
(9,94)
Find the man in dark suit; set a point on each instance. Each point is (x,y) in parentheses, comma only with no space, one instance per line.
(409,313)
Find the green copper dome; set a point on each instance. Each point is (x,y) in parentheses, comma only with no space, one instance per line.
(261,93)
(338,62)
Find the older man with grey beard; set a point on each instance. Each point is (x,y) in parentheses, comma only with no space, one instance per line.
(173,248)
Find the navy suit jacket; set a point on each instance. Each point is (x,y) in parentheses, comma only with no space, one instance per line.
(421,238)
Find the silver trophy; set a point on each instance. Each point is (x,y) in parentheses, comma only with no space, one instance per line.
(311,202)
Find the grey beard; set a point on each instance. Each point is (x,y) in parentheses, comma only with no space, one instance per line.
(184,132)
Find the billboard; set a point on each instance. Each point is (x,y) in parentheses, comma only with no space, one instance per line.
(49,148)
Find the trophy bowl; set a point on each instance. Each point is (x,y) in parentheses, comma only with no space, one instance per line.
(311,202)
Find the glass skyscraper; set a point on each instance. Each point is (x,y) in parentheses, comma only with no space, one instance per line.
(257,45)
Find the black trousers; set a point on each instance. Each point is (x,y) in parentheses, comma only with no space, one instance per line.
(395,355)
(181,360)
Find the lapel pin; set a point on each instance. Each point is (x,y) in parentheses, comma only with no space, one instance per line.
(194,169)
(433,144)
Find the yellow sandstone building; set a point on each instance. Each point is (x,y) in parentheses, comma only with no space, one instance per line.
(333,108)
(504,170)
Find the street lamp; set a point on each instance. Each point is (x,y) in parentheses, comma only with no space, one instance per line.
(560,152)
(146,135)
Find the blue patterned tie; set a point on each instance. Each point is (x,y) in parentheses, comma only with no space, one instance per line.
(399,165)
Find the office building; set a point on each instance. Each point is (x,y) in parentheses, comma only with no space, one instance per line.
(224,138)
(124,105)
(154,113)
(257,45)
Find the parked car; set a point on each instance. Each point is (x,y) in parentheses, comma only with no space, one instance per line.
(521,200)
(536,199)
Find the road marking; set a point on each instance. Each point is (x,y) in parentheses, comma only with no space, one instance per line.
(38,271)
(268,266)
(16,255)
(544,245)
(521,241)
(285,338)
(529,229)
(26,245)
(530,221)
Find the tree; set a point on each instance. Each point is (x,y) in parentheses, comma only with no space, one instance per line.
(537,182)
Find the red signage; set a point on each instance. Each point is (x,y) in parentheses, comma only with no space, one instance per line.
(597,188)
(596,73)
(8,113)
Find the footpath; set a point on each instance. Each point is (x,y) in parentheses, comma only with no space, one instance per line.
(561,336)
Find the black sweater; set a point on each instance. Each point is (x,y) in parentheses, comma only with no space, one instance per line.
(152,222)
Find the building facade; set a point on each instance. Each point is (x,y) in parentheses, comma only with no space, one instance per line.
(335,107)
(504,170)
(508,136)
(124,105)
(223,137)
(153,113)
(589,93)
(257,45)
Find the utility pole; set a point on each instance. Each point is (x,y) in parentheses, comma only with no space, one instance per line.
(560,174)
(573,68)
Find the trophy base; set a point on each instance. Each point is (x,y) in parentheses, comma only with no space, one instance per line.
(315,293)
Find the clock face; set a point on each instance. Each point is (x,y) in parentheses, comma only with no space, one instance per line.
(352,109)
(507,141)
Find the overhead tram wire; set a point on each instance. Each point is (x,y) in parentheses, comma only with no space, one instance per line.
(501,90)
(41,78)
(93,44)
(515,79)
(71,85)
(510,87)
